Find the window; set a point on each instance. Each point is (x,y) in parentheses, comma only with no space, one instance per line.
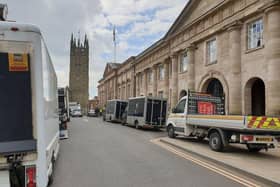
(161,72)
(255,34)
(180,108)
(150,76)
(160,94)
(184,62)
(211,51)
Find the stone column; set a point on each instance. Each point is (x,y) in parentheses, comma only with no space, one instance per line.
(115,87)
(155,79)
(174,61)
(272,45)
(191,67)
(166,78)
(145,84)
(235,99)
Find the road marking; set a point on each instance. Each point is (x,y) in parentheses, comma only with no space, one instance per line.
(206,165)
(85,119)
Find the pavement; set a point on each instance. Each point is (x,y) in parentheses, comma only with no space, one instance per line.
(102,154)
(263,165)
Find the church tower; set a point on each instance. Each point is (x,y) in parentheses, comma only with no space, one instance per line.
(79,71)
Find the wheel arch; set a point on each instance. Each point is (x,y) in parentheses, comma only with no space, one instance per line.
(221,132)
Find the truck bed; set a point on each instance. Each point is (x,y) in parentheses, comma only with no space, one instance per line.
(238,123)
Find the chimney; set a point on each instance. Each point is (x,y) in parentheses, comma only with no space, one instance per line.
(3,12)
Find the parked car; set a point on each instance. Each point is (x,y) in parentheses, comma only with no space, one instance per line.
(77,113)
(92,113)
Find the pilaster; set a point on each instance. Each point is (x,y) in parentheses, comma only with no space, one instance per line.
(155,79)
(235,99)
(272,46)
(191,67)
(174,86)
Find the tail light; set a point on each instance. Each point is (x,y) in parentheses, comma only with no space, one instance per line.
(30,176)
(247,138)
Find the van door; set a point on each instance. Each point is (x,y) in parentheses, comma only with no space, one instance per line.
(16,128)
(179,117)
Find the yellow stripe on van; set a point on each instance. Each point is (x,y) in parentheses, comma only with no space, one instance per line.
(216,117)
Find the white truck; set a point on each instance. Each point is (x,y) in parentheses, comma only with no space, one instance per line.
(29,128)
(202,115)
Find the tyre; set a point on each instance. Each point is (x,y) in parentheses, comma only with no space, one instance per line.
(171,132)
(136,125)
(253,148)
(215,142)
(50,181)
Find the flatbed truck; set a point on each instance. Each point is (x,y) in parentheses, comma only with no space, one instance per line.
(202,116)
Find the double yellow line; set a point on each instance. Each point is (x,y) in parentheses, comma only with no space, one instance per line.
(213,168)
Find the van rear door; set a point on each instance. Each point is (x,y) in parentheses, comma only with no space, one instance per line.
(16,129)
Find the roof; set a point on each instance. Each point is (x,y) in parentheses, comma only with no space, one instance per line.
(179,18)
(153,46)
(114,65)
(6,26)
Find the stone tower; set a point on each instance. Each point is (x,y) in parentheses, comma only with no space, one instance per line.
(79,71)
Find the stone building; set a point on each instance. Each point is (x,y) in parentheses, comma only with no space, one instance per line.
(79,72)
(93,103)
(229,48)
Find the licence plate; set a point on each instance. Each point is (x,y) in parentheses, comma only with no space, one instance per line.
(264,139)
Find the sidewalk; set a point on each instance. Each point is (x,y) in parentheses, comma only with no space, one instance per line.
(265,165)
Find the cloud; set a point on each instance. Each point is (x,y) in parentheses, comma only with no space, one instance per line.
(139,23)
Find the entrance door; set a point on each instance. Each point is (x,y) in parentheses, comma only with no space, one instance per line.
(215,88)
(258,98)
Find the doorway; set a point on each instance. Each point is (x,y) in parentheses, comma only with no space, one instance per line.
(215,88)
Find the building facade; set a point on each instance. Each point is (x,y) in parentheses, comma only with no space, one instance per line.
(227,48)
(79,72)
(93,103)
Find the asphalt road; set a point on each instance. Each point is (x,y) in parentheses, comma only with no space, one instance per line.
(102,154)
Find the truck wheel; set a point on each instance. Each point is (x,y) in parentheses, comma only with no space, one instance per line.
(253,149)
(215,142)
(171,132)
(136,125)
(50,182)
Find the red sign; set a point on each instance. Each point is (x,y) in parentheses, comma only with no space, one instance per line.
(206,108)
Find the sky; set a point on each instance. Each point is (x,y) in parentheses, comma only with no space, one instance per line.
(139,23)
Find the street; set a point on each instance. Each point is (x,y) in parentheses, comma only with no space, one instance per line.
(105,154)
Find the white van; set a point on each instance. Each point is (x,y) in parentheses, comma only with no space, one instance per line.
(29,128)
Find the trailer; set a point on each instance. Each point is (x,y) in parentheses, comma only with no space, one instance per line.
(202,116)
(114,110)
(29,128)
(146,112)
